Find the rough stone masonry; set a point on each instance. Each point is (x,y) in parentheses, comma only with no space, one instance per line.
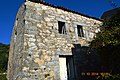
(41,35)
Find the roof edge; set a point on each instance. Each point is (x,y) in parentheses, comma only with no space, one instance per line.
(62,8)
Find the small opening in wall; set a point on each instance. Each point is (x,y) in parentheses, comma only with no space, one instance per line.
(80,31)
(30,55)
(35,69)
(95,23)
(44,68)
(15,35)
(61,27)
(15,32)
(52,27)
(17,19)
(24,21)
(46,75)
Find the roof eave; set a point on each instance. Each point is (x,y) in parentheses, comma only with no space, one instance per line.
(65,9)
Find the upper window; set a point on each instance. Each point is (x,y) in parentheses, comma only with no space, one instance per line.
(61,27)
(80,31)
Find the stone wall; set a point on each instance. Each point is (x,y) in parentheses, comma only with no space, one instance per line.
(17,46)
(35,49)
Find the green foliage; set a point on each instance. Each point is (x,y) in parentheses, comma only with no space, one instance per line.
(3,77)
(4,50)
(110,32)
(113,21)
(109,77)
(107,43)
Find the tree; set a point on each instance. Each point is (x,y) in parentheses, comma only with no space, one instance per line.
(4,51)
(107,43)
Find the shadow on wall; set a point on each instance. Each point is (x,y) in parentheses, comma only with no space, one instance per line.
(87,63)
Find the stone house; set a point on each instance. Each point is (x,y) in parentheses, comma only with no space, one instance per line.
(45,39)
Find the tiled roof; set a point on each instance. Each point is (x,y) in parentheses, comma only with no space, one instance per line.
(62,8)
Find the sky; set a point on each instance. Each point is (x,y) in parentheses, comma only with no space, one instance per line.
(9,8)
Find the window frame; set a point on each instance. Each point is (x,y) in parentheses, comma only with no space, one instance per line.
(62,27)
(80,31)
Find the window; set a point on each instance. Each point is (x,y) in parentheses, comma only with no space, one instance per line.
(61,27)
(80,31)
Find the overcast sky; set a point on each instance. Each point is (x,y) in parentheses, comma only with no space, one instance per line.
(9,8)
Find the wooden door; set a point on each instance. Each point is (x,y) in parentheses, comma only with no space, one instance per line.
(63,68)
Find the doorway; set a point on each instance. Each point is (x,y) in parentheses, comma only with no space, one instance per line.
(67,71)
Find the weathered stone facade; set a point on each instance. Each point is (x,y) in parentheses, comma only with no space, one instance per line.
(36,43)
